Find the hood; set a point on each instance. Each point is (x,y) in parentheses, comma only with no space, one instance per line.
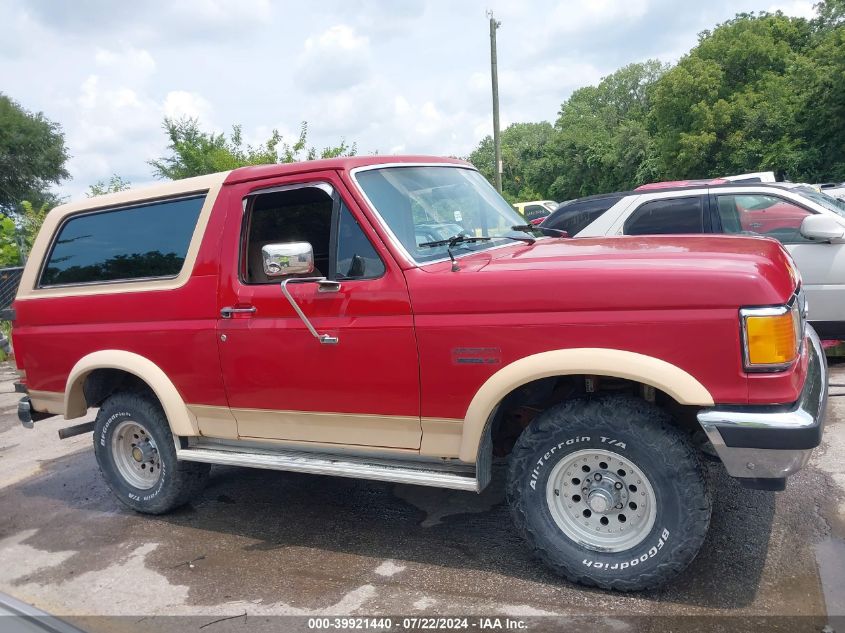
(618,273)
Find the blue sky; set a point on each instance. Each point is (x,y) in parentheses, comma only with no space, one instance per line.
(392,76)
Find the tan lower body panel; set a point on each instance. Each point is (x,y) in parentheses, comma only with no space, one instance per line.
(434,437)
(333,428)
(215,421)
(441,437)
(48,401)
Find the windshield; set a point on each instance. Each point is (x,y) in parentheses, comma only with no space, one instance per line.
(427,204)
(828,202)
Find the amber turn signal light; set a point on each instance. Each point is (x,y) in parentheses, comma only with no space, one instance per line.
(772,340)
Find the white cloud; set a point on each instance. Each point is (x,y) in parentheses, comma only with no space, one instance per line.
(220,13)
(129,61)
(336,59)
(179,104)
(569,17)
(410,76)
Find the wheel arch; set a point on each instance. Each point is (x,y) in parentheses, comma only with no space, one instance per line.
(76,405)
(674,381)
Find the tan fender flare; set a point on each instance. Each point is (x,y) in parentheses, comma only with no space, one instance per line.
(586,360)
(181,420)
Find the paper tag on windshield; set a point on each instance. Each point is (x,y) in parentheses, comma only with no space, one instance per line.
(458,217)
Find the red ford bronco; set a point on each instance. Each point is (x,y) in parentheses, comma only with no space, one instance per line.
(395,319)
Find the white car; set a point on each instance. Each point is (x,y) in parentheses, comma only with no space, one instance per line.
(810,224)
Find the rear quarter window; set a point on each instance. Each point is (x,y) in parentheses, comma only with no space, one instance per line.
(139,242)
(667,216)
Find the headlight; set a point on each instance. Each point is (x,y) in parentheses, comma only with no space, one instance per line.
(772,336)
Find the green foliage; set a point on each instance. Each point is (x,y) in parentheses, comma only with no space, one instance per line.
(759,92)
(31,219)
(194,152)
(602,142)
(9,249)
(831,14)
(733,104)
(32,156)
(523,151)
(22,227)
(112,185)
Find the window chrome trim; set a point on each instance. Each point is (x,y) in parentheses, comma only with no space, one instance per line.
(778,310)
(322,185)
(397,244)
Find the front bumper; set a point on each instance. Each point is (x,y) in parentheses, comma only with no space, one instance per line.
(763,445)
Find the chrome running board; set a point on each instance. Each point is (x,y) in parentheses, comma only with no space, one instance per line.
(417,473)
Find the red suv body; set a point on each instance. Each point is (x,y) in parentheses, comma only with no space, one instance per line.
(288,317)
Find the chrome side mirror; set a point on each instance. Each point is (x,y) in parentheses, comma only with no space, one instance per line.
(293,258)
(823,228)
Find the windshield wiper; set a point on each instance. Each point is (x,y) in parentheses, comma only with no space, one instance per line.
(530,228)
(452,242)
(461,238)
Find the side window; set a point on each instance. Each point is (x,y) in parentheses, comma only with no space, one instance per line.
(761,214)
(295,215)
(141,242)
(356,257)
(667,217)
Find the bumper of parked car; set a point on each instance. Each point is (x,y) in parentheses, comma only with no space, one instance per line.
(763,445)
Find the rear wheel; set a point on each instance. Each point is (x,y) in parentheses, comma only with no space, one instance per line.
(137,456)
(607,493)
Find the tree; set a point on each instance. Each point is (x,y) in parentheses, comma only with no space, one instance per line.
(194,152)
(734,103)
(113,185)
(602,142)
(824,78)
(523,151)
(9,249)
(32,156)
(831,13)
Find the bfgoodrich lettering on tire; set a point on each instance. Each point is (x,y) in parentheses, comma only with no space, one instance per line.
(608,493)
(137,456)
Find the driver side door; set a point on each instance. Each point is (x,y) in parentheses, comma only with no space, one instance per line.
(281,382)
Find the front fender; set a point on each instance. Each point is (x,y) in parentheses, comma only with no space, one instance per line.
(673,380)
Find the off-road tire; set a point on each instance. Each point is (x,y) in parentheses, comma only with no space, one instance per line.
(177,482)
(641,433)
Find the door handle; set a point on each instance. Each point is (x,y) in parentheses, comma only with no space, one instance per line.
(227,312)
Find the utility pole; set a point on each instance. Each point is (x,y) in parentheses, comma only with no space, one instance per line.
(494,73)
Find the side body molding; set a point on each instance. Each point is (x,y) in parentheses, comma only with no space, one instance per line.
(586,360)
(181,420)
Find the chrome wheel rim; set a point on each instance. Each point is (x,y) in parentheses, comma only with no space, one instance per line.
(601,500)
(136,455)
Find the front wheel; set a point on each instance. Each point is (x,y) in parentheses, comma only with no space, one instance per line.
(609,494)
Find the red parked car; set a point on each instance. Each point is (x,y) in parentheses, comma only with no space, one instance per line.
(304,317)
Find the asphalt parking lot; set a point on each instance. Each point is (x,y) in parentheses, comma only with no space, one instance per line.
(260,543)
